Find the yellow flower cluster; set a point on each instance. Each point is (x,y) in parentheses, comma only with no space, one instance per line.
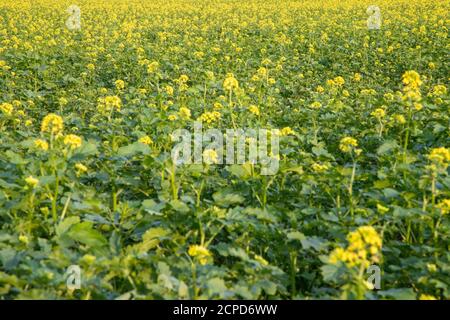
(440,157)
(31,181)
(286,131)
(364,248)
(315,105)
(184,112)
(426,297)
(444,206)
(182,82)
(152,67)
(200,252)
(146,140)
(169,90)
(412,82)
(210,117)
(438,90)
(52,123)
(349,144)
(120,84)
(210,156)
(319,168)
(6,108)
(230,82)
(81,168)
(108,104)
(41,144)
(337,81)
(254,109)
(378,113)
(72,141)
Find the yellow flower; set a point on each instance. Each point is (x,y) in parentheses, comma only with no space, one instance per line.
(338,255)
(440,156)
(31,181)
(320,89)
(261,260)
(210,156)
(169,90)
(41,144)
(339,81)
(120,84)
(185,112)
(88,259)
(23,239)
(348,144)
(152,67)
(199,252)
(172,117)
(438,90)
(357,77)
(444,206)
(287,131)
(319,168)
(316,105)
(108,104)
(90,67)
(411,80)
(418,106)
(73,141)
(210,117)
(63,101)
(146,140)
(412,95)
(382,209)
(378,113)
(254,109)
(81,168)
(6,108)
(262,72)
(230,82)
(426,297)
(52,123)
(364,248)
(388,96)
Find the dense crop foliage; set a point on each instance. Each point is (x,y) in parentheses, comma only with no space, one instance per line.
(87,179)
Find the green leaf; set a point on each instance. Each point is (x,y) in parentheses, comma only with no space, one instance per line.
(296,235)
(243,171)
(399,294)
(315,243)
(216,286)
(152,207)
(65,225)
(150,239)
(87,149)
(226,198)
(387,146)
(84,233)
(179,206)
(132,149)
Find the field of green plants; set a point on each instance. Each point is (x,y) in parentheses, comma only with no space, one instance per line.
(91,94)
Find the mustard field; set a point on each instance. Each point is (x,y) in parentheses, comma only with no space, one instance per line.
(347,197)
